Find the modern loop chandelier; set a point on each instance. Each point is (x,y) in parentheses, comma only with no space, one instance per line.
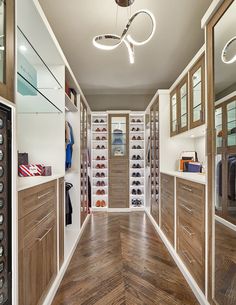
(126,38)
(224,52)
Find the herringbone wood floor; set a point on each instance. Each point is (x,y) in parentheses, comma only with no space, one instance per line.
(121,260)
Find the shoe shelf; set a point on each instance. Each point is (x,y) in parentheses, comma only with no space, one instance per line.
(99,144)
(137,161)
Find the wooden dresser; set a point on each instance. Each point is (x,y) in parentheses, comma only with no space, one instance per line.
(190,201)
(37,242)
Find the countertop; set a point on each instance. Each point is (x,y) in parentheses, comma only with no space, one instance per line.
(194,177)
(27,182)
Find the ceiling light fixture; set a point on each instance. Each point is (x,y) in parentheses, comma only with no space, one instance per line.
(224,52)
(126,38)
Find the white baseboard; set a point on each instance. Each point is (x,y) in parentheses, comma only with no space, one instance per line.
(192,283)
(52,292)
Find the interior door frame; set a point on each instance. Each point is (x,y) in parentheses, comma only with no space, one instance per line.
(211,142)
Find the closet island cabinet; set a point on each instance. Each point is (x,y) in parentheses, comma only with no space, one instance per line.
(7,38)
(187,100)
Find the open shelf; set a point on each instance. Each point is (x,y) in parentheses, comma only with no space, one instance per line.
(69,105)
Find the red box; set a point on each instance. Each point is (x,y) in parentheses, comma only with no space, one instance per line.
(30,170)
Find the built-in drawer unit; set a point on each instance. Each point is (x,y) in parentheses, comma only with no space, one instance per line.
(190,201)
(37,242)
(167,206)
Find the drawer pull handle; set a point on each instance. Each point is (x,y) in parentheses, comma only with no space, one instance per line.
(187,230)
(185,253)
(41,196)
(45,234)
(187,189)
(187,209)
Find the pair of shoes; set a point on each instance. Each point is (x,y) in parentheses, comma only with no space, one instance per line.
(136,157)
(100,175)
(136,183)
(101,139)
(100,158)
(137,202)
(100,183)
(101,203)
(101,130)
(136,147)
(100,192)
(137,175)
(136,192)
(100,166)
(136,138)
(135,129)
(136,121)
(100,147)
(136,166)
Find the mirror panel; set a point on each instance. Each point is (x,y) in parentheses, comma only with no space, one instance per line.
(225,161)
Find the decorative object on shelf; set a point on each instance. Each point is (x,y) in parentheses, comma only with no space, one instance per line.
(126,38)
(23,159)
(224,52)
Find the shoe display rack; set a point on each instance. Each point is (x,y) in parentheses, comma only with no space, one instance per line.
(137,160)
(99,183)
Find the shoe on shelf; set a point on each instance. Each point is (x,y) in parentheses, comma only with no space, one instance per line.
(139,138)
(102,175)
(134,183)
(133,121)
(134,166)
(98,203)
(98,130)
(138,129)
(98,158)
(103,147)
(98,192)
(104,129)
(138,175)
(138,166)
(98,166)
(98,147)
(98,139)
(96,121)
(104,138)
(102,192)
(103,203)
(98,183)
(134,192)
(133,129)
(102,183)
(134,175)
(134,157)
(134,147)
(102,165)
(102,121)
(138,157)
(139,121)
(139,192)
(98,175)
(103,158)
(133,138)
(139,147)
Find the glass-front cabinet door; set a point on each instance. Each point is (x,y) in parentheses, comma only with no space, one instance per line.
(7,49)
(173,113)
(183,105)
(118,136)
(197,94)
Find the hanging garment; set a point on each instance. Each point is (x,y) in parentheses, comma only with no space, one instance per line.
(89,193)
(219,178)
(231,177)
(68,209)
(69,146)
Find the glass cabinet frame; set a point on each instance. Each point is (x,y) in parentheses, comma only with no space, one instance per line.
(7,85)
(201,118)
(178,114)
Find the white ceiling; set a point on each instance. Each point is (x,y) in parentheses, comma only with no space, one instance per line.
(178,37)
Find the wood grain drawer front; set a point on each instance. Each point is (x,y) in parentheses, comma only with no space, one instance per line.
(31,220)
(31,199)
(167,225)
(37,262)
(190,191)
(167,184)
(194,236)
(196,269)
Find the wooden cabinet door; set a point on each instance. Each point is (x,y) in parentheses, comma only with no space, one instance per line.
(7,62)
(197,93)
(61,220)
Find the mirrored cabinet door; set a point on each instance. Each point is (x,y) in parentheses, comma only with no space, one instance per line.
(7,49)
(183,105)
(197,94)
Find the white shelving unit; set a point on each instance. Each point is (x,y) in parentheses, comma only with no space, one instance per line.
(137,160)
(99,144)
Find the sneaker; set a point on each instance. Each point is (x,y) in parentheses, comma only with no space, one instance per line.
(134,192)
(138,158)
(138,166)
(98,203)
(134,166)
(134,157)
(138,175)
(134,175)
(139,192)
(134,183)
